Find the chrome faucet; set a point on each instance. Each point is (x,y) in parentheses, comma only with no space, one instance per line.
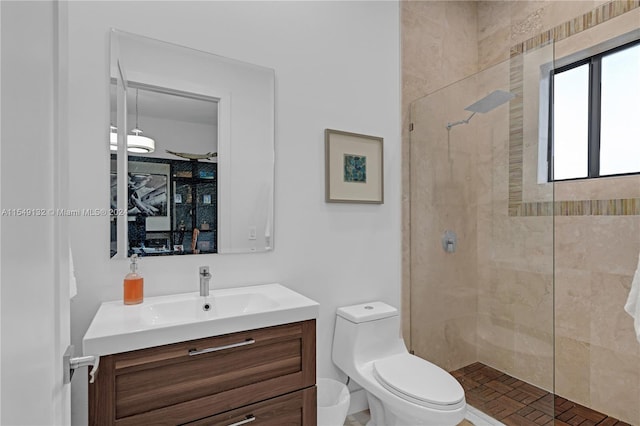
(205,276)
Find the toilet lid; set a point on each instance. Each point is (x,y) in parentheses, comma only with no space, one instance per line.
(419,381)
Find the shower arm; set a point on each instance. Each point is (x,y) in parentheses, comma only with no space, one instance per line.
(450,125)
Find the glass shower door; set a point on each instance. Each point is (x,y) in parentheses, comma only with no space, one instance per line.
(482,236)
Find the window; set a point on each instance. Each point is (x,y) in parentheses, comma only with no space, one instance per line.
(595,116)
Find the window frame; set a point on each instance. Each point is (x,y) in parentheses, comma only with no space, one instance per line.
(594,113)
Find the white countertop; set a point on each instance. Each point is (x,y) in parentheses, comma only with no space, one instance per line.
(162,320)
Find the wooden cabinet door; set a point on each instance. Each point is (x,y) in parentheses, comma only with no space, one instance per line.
(294,409)
(183,382)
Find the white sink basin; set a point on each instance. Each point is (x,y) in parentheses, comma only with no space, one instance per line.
(192,307)
(169,319)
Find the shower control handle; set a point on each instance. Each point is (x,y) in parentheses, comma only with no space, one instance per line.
(449,241)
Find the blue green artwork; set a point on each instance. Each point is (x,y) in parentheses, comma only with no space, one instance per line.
(355,168)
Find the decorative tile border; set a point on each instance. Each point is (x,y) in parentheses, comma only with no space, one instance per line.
(618,207)
(517,205)
(600,14)
(516,133)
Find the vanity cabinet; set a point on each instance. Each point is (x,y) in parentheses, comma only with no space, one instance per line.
(264,377)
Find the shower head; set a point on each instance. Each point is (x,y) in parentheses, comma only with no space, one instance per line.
(490,102)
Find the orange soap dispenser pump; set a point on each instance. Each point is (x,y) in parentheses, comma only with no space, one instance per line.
(133,284)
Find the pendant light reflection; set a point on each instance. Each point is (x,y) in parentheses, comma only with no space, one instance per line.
(136,142)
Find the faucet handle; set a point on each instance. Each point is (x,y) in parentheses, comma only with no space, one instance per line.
(204,271)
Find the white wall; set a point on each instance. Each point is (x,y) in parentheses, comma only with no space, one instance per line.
(180,136)
(337,66)
(35,330)
(0,226)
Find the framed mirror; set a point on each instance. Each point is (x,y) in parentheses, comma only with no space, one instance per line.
(191,151)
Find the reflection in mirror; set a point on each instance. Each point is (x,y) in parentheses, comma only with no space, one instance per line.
(157,224)
(191,145)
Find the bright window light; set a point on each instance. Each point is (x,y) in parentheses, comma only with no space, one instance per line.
(620,122)
(570,121)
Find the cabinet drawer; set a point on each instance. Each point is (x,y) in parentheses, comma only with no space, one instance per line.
(294,409)
(185,381)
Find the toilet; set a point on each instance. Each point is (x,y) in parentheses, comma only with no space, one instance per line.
(402,389)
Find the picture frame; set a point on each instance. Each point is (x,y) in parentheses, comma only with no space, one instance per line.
(206,199)
(178,198)
(354,168)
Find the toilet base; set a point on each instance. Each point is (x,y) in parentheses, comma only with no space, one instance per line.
(377,411)
(381,416)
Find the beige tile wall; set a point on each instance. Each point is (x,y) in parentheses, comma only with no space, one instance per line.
(504,287)
(439,47)
(597,239)
(597,354)
(443,292)
(515,254)
(501,24)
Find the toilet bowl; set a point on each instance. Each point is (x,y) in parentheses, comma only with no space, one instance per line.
(402,389)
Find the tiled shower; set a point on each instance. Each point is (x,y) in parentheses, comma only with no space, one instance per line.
(536,286)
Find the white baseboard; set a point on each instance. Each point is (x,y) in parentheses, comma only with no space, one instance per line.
(358,401)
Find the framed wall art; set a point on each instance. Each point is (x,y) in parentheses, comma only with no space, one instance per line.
(149,194)
(353,168)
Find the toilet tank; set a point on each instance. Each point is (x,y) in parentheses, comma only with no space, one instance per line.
(364,333)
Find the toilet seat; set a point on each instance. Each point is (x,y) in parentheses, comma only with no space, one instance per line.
(419,381)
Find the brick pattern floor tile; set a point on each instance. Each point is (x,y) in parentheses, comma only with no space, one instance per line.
(517,403)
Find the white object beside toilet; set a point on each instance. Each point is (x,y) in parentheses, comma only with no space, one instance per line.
(402,389)
(333,402)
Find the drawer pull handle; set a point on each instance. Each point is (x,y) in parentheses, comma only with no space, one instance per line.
(248,419)
(193,352)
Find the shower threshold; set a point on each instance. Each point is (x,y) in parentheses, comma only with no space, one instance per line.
(513,402)
(474,417)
